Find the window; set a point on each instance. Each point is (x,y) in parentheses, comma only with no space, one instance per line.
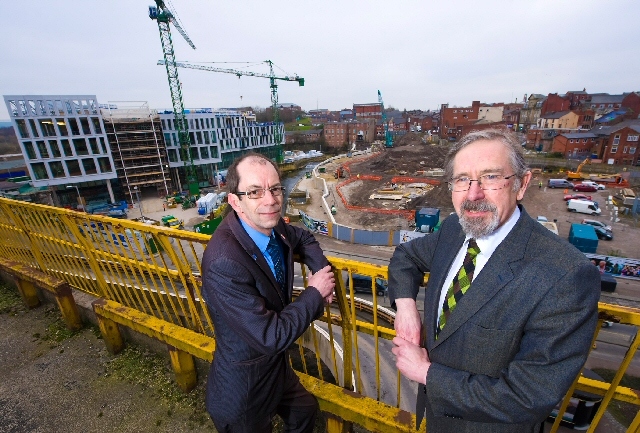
(624,150)
(584,140)
(42,148)
(94,145)
(204,152)
(66,148)
(173,156)
(55,150)
(62,127)
(214,151)
(105,165)
(29,150)
(103,146)
(632,138)
(614,149)
(81,146)
(56,169)
(616,139)
(34,130)
(96,125)
(85,126)
(73,167)
(571,141)
(47,128)
(39,171)
(632,150)
(89,166)
(22,128)
(73,124)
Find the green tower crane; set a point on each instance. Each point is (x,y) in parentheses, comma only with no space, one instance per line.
(388,139)
(272,84)
(164,16)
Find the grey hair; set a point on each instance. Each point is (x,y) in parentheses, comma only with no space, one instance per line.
(504,136)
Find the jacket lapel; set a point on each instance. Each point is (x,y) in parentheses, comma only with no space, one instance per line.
(495,275)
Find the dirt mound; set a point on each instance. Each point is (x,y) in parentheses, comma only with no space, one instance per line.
(409,157)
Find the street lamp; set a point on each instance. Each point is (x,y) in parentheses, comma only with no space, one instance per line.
(79,197)
(135,188)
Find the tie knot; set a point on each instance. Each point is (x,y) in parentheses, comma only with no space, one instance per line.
(473,248)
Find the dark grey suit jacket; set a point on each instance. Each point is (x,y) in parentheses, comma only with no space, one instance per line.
(254,322)
(516,340)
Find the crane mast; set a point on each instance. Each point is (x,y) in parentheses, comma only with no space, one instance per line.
(163,16)
(388,139)
(272,85)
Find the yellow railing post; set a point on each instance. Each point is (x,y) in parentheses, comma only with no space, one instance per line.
(28,293)
(184,368)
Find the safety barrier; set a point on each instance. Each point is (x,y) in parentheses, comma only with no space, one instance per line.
(147,278)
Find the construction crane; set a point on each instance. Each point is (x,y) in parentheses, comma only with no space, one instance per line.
(272,80)
(388,139)
(164,16)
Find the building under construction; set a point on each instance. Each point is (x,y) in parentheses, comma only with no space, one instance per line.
(138,149)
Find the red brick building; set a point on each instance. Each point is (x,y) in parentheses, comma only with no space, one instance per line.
(618,144)
(368,111)
(452,120)
(575,145)
(554,103)
(337,134)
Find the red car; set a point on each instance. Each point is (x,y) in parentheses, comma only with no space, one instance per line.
(583,187)
(576,197)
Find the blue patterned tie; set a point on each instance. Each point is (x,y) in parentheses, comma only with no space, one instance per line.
(275,252)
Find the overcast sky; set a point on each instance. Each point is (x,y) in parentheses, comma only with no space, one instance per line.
(418,53)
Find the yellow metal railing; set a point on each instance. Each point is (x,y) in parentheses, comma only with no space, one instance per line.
(156,270)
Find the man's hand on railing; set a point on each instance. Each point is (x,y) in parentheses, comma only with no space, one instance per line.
(407,322)
(324,281)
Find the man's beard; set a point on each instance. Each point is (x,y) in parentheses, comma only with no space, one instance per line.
(478,227)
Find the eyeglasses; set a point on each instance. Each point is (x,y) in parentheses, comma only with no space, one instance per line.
(486,182)
(253,194)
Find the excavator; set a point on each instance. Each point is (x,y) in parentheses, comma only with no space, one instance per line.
(577,175)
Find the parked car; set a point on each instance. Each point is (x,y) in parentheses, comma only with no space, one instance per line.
(362,284)
(599,186)
(584,187)
(603,233)
(576,197)
(596,223)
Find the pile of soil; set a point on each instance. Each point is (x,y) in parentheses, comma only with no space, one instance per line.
(409,156)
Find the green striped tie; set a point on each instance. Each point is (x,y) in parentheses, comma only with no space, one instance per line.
(460,284)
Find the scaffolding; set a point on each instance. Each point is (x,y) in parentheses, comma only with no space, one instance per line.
(140,156)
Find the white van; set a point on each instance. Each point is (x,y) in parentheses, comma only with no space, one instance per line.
(583,206)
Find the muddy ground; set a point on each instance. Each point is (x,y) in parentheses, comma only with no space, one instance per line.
(411,156)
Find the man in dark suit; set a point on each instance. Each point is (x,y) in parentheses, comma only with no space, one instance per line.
(247,283)
(510,308)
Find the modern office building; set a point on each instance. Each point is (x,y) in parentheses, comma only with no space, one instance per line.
(64,142)
(217,137)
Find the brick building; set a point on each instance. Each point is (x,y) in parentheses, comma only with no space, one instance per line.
(575,145)
(618,144)
(367,111)
(337,134)
(452,120)
(554,103)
